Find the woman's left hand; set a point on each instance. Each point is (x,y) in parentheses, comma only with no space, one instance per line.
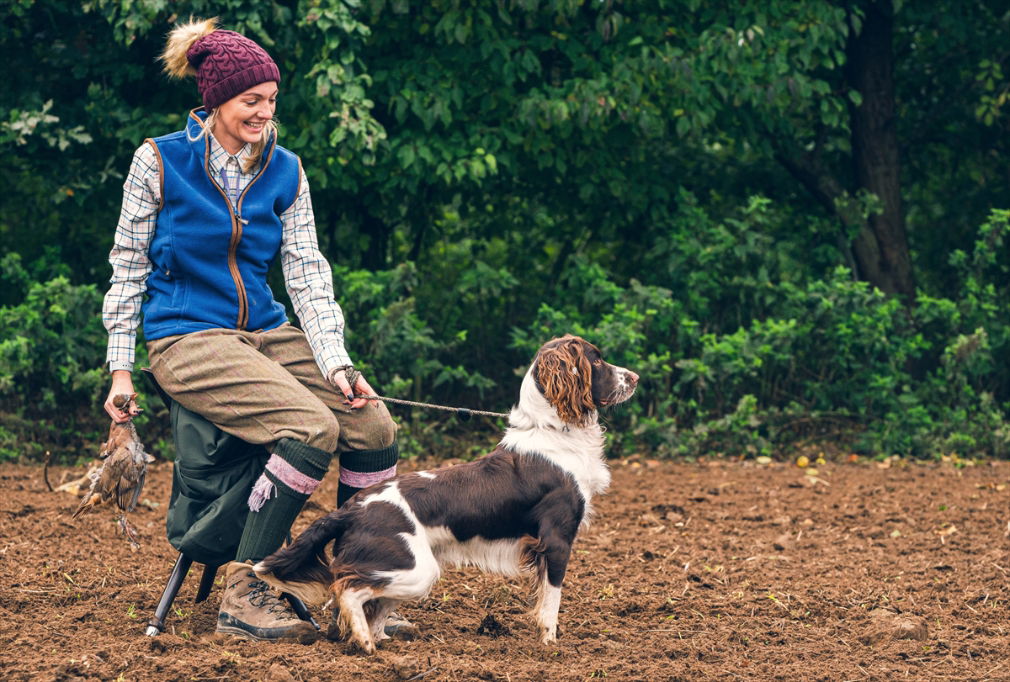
(361,387)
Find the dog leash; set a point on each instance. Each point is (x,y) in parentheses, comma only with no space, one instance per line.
(463,413)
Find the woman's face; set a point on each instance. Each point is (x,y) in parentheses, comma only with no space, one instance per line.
(241,119)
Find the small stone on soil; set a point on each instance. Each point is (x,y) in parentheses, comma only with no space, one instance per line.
(279,673)
(887,625)
(405,667)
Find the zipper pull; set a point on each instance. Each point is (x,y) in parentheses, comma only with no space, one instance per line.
(241,219)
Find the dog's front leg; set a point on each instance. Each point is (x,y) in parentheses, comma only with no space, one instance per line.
(352,621)
(547,611)
(556,556)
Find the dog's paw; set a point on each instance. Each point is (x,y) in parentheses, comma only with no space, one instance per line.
(366,647)
(548,635)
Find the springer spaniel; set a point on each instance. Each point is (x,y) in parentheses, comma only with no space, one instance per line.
(516,509)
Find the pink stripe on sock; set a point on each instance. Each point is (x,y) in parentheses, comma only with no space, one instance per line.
(357,479)
(290,476)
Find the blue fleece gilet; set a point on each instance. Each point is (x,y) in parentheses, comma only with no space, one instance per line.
(210,260)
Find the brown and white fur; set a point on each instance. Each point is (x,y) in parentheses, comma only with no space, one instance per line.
(516,509)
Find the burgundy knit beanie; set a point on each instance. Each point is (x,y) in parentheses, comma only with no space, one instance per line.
(228,64)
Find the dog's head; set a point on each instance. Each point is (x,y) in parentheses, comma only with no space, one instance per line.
(574,378)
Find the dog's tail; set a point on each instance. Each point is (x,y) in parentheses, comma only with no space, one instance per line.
(300,568)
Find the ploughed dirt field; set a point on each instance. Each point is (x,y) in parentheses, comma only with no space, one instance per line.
(862,570)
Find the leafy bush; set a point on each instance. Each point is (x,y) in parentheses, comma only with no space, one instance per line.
(52,345)
(820,359)
(838,357)
(399,354)
(835,360)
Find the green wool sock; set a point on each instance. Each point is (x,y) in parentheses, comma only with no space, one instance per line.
(293,471)
(362,468)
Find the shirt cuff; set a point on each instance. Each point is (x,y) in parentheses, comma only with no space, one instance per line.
(332,360)
(331,376)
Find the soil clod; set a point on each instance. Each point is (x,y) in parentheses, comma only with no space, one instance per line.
(887,625)
(491,627)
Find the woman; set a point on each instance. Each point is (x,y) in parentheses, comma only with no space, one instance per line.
(205,212)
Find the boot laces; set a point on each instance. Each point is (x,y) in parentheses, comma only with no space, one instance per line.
(262,597)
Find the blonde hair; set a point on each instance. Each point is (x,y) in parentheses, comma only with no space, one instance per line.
(177,65)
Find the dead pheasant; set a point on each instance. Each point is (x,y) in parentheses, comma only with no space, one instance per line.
(124,467)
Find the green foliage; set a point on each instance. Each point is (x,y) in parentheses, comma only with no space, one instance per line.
(50,345)
(839,357)
(396,349)
(23,124)
(391,340)
(837,360)
(51,351)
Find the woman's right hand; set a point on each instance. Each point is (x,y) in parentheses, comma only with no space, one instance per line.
(122,382)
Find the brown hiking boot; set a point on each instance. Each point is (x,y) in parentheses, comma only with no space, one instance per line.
(250,609)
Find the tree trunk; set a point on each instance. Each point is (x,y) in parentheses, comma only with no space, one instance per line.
(377,252)
(881,247)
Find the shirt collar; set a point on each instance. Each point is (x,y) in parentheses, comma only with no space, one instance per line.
(219,156)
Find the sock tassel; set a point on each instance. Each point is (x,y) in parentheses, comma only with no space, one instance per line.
(261,492)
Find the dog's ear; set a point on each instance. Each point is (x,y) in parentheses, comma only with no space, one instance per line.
(565,376)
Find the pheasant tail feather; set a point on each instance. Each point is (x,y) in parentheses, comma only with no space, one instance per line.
(90,501)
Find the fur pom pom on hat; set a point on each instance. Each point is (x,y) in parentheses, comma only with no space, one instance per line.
(224,63)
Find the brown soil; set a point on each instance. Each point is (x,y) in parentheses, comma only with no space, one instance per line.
(690,571)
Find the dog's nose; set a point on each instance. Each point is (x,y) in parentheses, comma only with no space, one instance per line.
(632,377)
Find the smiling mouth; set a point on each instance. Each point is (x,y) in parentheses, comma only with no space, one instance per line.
(253,126)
